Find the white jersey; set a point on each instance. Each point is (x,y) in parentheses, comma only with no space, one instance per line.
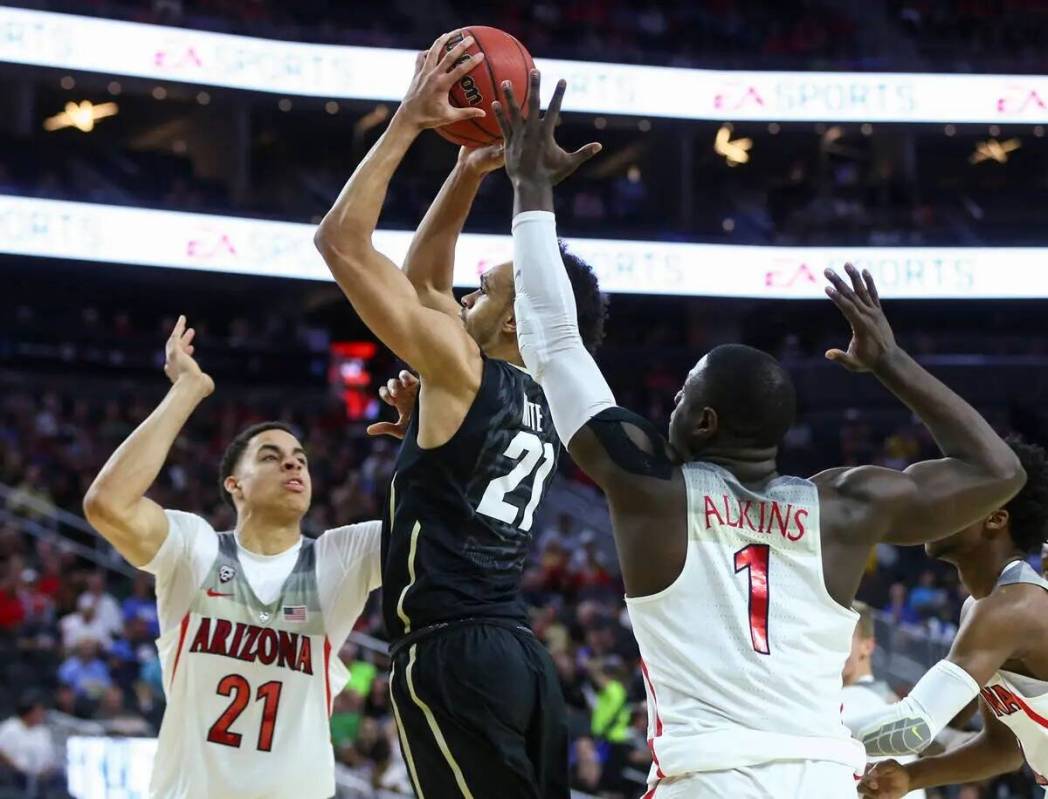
(1018,701)
(742,655)
(249,647)
(864,697)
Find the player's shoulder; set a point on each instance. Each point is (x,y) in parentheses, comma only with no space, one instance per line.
(358,536)
(1019,608)
(188,521)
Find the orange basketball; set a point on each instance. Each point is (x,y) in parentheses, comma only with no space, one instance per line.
(504,59)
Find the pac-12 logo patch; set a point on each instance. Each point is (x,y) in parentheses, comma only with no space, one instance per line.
(226,573)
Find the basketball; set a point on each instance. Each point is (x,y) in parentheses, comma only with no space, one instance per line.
(505,58)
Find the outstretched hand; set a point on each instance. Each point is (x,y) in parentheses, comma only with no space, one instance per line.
(178,358)
(400,392)
(872,338)
(531,151)
(427,103)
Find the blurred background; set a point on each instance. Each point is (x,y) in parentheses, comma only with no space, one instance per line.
(780,138)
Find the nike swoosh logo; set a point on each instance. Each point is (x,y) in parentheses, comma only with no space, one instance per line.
(213,592)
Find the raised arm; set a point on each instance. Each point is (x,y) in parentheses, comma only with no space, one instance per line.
(619,450)
(115,503)
(430,262)
(433,343)
(545,310)
(932,499)
(994,750)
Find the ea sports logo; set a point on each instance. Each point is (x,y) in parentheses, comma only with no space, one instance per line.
(226,573)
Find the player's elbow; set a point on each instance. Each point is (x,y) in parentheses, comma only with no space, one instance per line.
(344,248)
(101,508)
(1006,473)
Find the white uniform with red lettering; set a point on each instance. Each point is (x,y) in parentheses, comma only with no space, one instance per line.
(1018,701)
(743,653)
(249,649)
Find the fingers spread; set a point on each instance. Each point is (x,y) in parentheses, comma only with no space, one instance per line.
(451,56)
(871,287)
(500,116)
(463,68)
(512,106)
(549,122)
(857,285)
(586,152)
(534,87)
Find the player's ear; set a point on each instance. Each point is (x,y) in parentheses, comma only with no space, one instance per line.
(510,325)
(708,423)
(232,485)
(996,521)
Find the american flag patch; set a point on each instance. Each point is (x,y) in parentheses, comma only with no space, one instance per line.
(294,613)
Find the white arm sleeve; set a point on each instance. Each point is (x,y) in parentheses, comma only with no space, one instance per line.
(548,329)
(910,725)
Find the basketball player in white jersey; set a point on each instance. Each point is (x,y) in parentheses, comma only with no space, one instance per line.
(863,693)
(1000,655)
(739,580)
(251,621)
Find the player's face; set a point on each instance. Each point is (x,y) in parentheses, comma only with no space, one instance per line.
(273,474)
(855,665)
(963,541)
(487,312)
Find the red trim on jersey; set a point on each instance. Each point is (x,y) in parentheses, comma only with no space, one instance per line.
(327,674)
(1029,711)
(651,794)
(178,652)
(658,724)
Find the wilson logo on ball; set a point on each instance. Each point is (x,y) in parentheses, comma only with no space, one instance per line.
(471,90)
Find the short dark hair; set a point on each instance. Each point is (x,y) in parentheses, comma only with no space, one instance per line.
(751,392)
(1028,510)
(235,451)
(591,305)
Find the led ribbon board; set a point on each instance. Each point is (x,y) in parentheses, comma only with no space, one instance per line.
(156,52)
(115,234)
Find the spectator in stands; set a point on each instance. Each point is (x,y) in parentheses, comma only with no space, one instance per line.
(117,718)
(12,612)
(586,770)
(141,605)
(82,624)
(110,619)
(26,746)
(84,671)
(899,608)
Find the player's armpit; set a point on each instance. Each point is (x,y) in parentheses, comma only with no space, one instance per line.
(617,446)
(432,342)
(928,501)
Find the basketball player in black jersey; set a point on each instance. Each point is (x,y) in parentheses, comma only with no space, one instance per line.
(476,697)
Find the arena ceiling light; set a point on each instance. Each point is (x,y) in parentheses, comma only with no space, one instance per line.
(333,72)
(82,116)
(734,152)
(994,150)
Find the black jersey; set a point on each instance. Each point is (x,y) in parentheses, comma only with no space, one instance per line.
(458,520)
